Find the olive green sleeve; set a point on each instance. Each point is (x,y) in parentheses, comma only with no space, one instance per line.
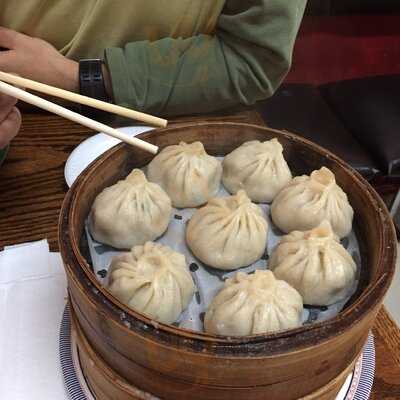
(243,62)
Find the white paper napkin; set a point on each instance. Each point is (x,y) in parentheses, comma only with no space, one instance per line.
(32,300)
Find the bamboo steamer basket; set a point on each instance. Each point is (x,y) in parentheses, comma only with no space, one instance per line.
(124,353)
(107,384)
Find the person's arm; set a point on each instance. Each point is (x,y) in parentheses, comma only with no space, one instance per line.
(243,62)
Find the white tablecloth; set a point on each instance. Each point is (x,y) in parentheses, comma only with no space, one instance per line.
(32,299)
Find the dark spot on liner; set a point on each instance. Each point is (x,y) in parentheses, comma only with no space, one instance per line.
(176,216)
(193,267)
(201,316)
(265,256)
(175,324)
(198,298)
(102,273)
(312,317)
(102,249)
(345,242)
(315,308)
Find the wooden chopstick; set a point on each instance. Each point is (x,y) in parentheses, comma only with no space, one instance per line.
(73,116)
(77,98)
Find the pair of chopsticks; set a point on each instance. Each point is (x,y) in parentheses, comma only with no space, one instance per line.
(7,80)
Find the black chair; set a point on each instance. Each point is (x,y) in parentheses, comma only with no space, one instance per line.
(300,109)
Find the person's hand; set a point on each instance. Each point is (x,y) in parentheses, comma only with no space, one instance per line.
(10,119)
(36,59)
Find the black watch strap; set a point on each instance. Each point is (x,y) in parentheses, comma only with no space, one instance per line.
(91,84)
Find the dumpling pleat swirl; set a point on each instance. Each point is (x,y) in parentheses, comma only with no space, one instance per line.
(308,200)
(258,168)
(315,264)
(254,303)
(130,213)
(187,173)
(228,233)
(152,279)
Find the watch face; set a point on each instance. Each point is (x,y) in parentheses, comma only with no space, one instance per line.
(91,84)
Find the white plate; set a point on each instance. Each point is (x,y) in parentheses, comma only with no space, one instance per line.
(91,148)
(357,386)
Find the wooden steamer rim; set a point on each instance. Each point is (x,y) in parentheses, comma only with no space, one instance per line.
(256,346)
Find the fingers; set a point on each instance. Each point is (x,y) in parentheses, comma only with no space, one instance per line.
(10,127)
(10,39)
(6,105)
(8,61)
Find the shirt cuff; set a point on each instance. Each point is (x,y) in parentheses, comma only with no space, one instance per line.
(123,90)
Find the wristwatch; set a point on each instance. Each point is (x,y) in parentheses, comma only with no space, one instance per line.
(91,84)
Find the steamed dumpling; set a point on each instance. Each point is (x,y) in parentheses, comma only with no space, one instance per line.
(315,264)
(130,213)
(187,173)
(255,303)
(228,233)
(308,200)
(152,279)
(257,167)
